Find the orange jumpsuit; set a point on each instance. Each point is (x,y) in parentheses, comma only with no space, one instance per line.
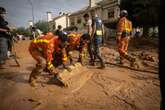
(124,30)
(76,43)
(44,47)
(74,40)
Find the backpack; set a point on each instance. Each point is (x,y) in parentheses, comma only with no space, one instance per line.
(99,24)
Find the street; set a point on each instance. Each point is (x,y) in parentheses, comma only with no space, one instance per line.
(113,88)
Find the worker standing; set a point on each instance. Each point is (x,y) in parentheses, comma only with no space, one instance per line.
(97,37)
(124,32)
(5,38)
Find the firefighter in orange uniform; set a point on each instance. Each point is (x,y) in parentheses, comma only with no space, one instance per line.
(124,31)
(77,41)
(43,47)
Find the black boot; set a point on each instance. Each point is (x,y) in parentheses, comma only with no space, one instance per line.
(92,62)
(134,63)
(102,66)
(121,61)
(129,58)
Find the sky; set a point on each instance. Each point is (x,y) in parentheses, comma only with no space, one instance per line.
(19,12)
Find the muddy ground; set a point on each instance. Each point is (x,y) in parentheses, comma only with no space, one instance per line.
(114,88)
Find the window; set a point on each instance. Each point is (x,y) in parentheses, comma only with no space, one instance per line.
(78,21)
(72,23)
(54,26)
(110,13)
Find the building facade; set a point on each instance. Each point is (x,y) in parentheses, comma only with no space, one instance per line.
(62,20)
(107,10)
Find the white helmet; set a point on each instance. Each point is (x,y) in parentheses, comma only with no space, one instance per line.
(123,13)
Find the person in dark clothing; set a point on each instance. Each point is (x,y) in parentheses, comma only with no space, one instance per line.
(4,37)
(97,37)
(61,34)
(59,31)
(87,33)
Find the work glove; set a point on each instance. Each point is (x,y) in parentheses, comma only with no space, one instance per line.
(54,71)
(67,68)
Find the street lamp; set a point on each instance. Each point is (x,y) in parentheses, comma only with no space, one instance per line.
(49,19)
(30,23)
(32,11)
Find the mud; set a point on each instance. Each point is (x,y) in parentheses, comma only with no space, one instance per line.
(114,88)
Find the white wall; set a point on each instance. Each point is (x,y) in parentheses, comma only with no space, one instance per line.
(61,21)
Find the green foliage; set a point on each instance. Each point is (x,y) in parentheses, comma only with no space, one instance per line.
(22,31)
(142,12)
(43,26)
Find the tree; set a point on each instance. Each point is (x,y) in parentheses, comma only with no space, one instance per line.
(144,13)
(43,26)
(22,31)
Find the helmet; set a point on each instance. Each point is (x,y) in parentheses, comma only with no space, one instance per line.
(2,10)
(123,13)
(50,34)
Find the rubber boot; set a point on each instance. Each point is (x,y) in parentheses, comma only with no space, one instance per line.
(133,63)
(102,66)
(129,58)
(121,61)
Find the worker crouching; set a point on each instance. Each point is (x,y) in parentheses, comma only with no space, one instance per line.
(43,47)
(79,42)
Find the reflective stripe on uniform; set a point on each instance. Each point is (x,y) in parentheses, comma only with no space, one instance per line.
(74,35)
(99,33)
(125,53)
(127,26)
(64,58)
(82,54)
(127,30)
(71,35)
(119,33)
(40,41)
(50,65)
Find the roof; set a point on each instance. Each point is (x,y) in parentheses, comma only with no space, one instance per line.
(105,2)
(57,17)
(79,11)
(87,8)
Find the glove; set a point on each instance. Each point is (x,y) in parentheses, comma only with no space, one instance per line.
(67,68)
(54,71)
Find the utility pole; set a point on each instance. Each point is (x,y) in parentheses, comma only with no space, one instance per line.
(31,23)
